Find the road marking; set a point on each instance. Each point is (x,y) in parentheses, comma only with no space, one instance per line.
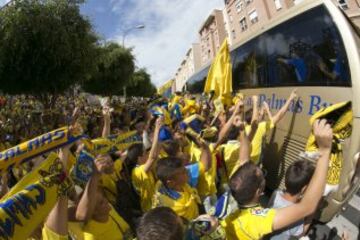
(355,202)
(342,225)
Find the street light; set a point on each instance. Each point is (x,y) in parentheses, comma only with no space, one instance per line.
(126,32)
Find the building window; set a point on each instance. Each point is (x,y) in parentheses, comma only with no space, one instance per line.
(243,24)
(239,5)
(253,17)
(233,35)
(343,4)
(277,4)
(230,18)
(248,2)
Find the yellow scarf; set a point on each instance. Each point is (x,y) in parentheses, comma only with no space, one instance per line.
(29,202)
(42,144)
(340,116)
(112,143)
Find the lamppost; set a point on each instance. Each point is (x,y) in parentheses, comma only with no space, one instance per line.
(125,33)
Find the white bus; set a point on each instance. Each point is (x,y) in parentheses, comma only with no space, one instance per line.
(312,47)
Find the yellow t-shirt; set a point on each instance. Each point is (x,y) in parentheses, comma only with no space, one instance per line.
(231,151)
(144,183)
(114,229)
(184,203)
(75,230)
(207,181)
(108,182)
(251,223)
(257,142)
(48,234)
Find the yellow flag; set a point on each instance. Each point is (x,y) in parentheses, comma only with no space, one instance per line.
(219,78)
(165,87)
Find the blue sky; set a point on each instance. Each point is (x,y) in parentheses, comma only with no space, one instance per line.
(171,27)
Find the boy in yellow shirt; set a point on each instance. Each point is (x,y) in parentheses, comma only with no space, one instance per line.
(177,186)
(100,219)
(230,150)
(142,176)
(252,221)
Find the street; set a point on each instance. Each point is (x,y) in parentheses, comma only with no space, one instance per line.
(348,221)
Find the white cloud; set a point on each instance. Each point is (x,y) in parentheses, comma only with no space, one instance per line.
(3,2)
(171,27)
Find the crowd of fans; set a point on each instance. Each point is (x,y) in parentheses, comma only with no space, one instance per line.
(196,173)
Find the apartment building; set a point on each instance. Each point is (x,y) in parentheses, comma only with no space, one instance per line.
(352,9)
(243,17)
(190,64)
(212,33)
(246,16)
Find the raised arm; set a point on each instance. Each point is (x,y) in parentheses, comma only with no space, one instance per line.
(281,113)
(155,145)
(205,157)
(86,206)
(255,113)
(58,217)
(245,147)
(145,135)
(107,121)
(289,215)
(225,130)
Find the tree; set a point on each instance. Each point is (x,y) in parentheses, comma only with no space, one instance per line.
(141,85)
(114,70)
(46,47)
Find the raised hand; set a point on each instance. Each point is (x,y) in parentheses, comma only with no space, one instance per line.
(106,112)
(255,99)
(104,164)
(239,105)
(239,123)
(265,106)
(293,94)
(323,134)
(159,122)
(75,115)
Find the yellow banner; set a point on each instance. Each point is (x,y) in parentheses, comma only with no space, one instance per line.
(29,202)
(112,143)
(35,147)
